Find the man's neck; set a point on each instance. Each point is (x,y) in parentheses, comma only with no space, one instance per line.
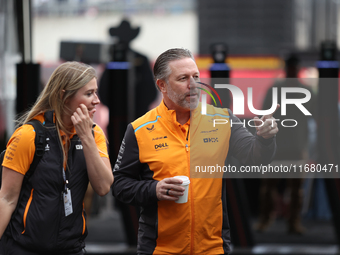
(182,116)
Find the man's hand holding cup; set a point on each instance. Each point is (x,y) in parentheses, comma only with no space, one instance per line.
(172,189)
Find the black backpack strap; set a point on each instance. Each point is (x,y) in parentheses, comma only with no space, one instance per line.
(40,143)
(2,155)
(49,119)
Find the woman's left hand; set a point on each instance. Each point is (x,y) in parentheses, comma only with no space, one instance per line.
(98,168)
(82,120)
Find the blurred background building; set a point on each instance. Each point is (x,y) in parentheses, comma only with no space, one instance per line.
(258,34)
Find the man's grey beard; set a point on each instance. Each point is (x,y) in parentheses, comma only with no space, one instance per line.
(181,99)
(194,102)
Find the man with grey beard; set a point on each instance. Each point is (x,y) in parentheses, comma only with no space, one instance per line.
(157,147)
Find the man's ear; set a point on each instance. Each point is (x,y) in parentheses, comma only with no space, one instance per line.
(161,85)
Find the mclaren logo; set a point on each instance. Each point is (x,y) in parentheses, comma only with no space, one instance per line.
(209,131)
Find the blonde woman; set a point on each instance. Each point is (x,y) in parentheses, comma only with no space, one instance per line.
(49,217)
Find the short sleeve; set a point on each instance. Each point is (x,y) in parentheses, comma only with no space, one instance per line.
(100,140)
(20,149)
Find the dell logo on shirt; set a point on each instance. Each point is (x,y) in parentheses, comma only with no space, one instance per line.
(161,145)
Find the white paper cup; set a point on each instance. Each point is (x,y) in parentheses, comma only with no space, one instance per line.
(185,184)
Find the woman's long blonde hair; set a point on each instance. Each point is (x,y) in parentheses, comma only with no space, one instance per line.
(63,84)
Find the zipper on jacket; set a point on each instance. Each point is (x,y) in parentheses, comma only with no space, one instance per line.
(186,145)
(191,200)
(84,221)
(61,207)
(26,210)
(192,243)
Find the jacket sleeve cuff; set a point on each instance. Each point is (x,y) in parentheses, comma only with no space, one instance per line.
(264,141)
(153,193)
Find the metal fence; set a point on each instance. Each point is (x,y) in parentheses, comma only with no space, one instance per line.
(81,7)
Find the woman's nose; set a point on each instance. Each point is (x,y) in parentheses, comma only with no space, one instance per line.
(96,99)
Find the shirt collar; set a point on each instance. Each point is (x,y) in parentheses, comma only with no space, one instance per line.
(170,115)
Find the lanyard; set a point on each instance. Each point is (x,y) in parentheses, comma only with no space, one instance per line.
(67,197)
(65,180)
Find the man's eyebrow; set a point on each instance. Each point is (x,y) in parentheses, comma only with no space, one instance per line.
(182,74)
(185,74)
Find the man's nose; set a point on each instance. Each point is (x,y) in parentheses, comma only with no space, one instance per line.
(192,83)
